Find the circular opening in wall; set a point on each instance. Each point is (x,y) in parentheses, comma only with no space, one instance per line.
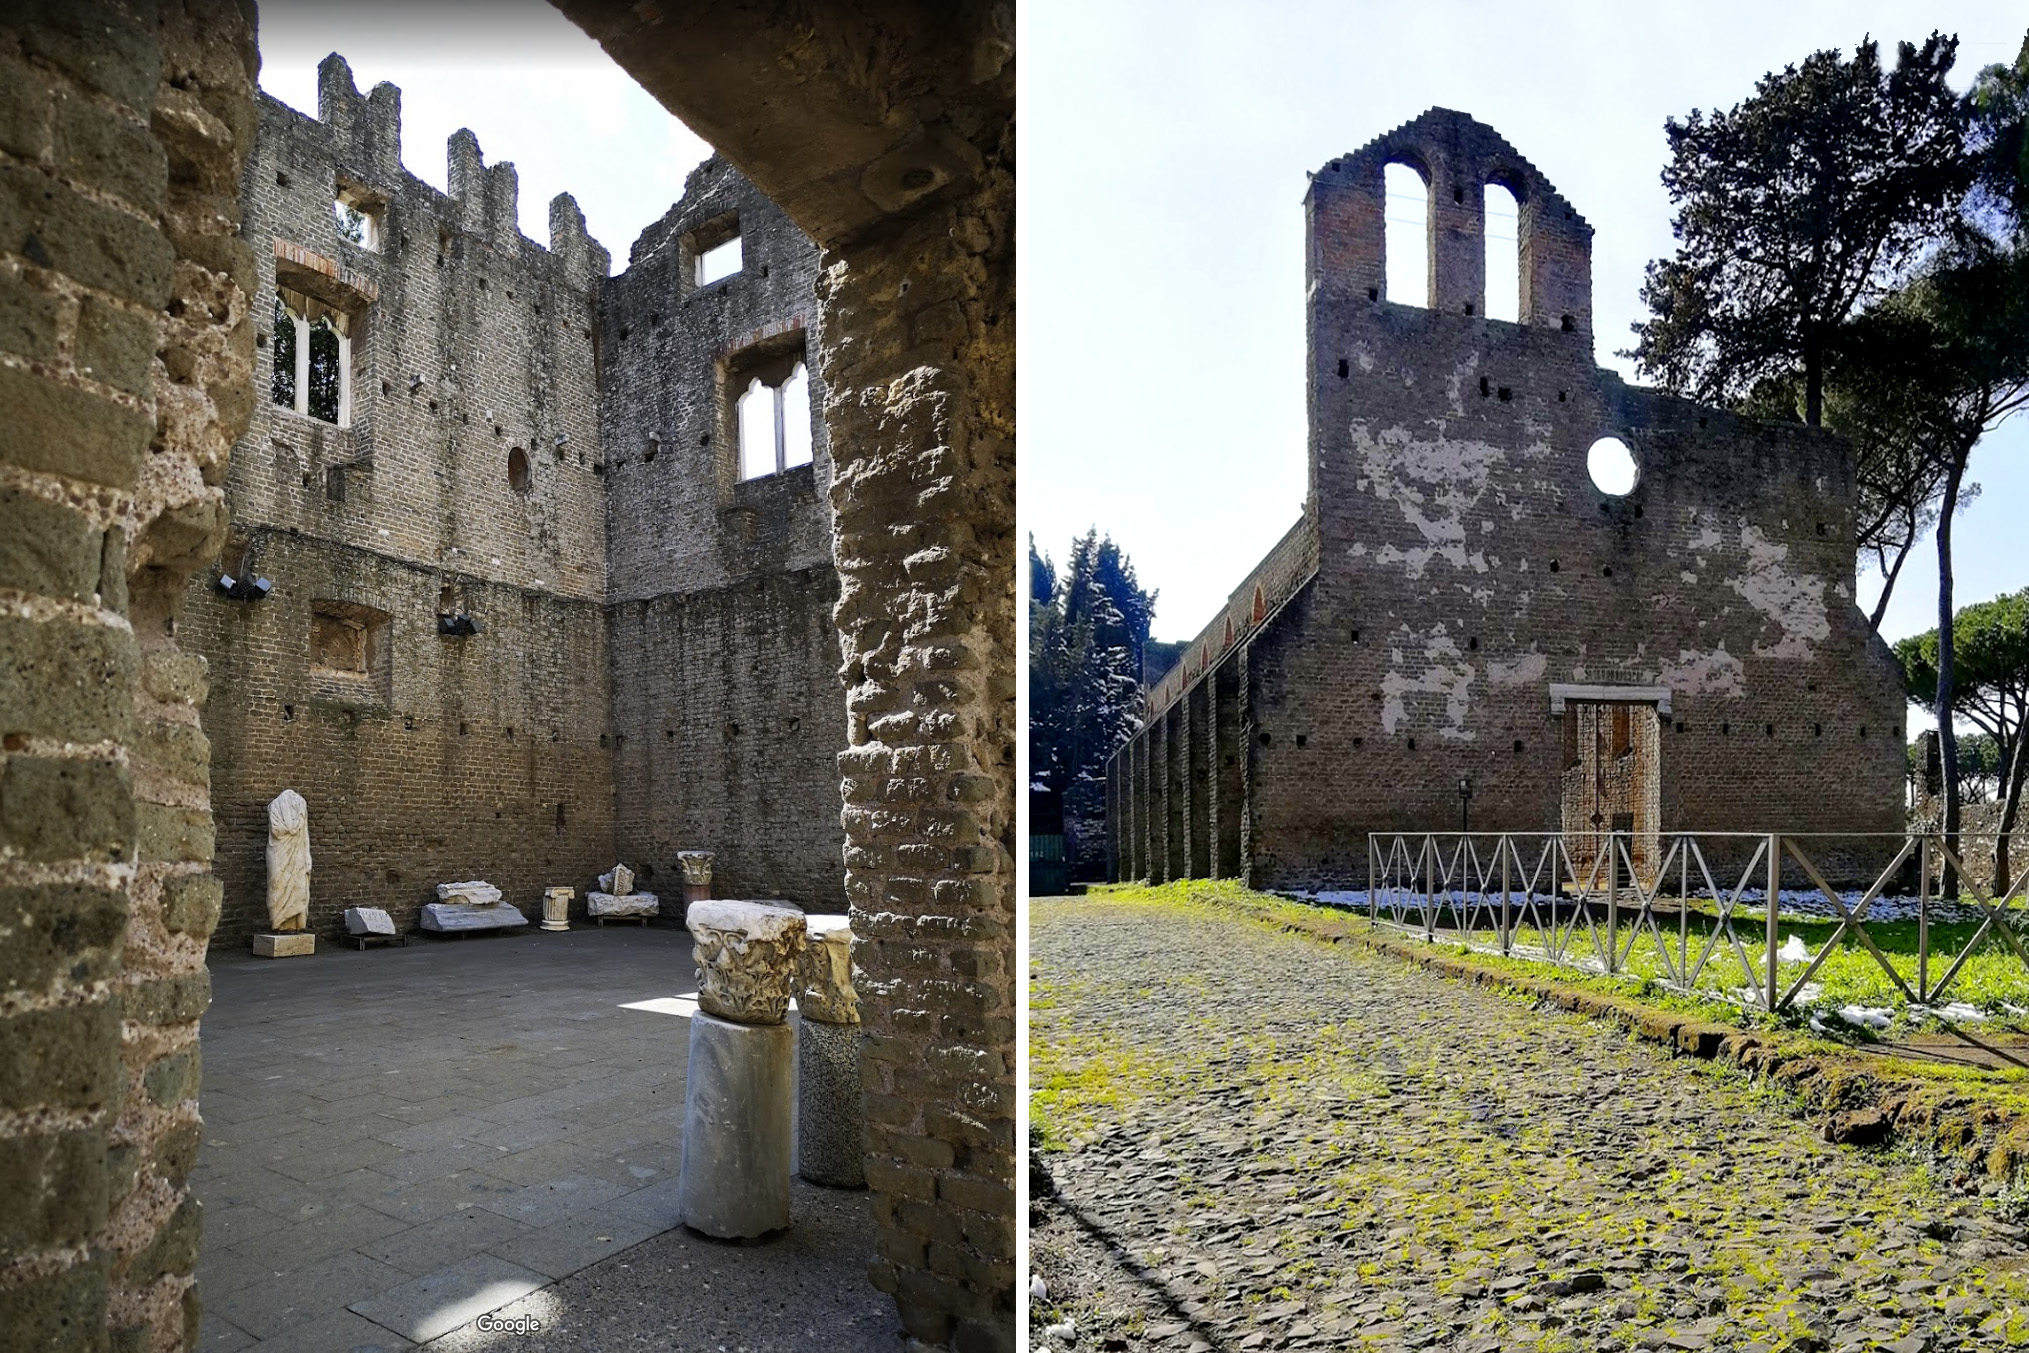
(1612,467)
(517,470)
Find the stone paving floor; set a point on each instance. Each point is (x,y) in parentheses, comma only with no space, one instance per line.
(1268,1142)
(401,1140)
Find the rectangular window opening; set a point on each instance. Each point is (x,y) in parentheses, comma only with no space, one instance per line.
(349,648)
(357,216)
(719,262)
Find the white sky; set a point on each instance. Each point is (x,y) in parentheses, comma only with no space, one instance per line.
(1164,151)
(533,88)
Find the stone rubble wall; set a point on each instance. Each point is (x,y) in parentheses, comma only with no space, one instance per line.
(125,349)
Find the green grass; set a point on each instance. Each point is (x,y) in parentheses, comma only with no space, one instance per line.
(1991,980)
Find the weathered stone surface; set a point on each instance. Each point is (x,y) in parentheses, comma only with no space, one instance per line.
(288,861)
(556,908)
(622,904)
(831,1125)
(368,921)
(285,944)
(737,1106)
(473,893)
(130,360)
(824,989)
(453,916)
(619,880)
(746,958)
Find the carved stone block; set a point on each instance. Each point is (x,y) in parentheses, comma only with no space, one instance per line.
(824,989)
(746,959)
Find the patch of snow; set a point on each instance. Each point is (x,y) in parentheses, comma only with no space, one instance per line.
(1867,1016)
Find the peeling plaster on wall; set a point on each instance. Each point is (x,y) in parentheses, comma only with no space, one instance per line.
(1795,602)
(1434,484)
(1447,674)
(1526,670)
(1714,673)
(1454,388)
(1363,356)
(1707,539)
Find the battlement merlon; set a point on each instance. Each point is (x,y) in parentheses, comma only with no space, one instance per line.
(366,131)
(583,258)
(370,126)
(1456,156)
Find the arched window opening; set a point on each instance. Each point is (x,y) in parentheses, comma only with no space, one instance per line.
(1503,235)
(756,413)
(312,358)
(517,470)
(770,412)
(1406,235)
(796,418)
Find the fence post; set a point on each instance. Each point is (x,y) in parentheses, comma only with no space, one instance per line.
(1507,932)
(1429,889)
(1372,912)
(1774,887)
(1612,903)
(1923,923)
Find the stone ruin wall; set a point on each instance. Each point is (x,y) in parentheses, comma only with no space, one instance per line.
(727,709)
(126,338)
(452,757)
(1466,563)
(922,409)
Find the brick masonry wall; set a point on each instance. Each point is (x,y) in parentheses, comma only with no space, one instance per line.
(727,706)
(1466,562)
(125,343)
(480,756)
(923,397)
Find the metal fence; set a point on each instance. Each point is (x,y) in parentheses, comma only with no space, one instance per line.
(1691,910)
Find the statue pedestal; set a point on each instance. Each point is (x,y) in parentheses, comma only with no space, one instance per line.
(739,1097)
(284,944)
(831,1129)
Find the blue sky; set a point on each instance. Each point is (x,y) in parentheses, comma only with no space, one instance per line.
(1164,151)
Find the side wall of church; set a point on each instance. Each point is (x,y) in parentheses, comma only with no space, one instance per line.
(469,482)
(727,703)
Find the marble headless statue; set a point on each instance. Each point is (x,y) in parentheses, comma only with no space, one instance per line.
(288,861)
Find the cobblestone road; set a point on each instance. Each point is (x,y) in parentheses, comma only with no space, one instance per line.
(1276,1143)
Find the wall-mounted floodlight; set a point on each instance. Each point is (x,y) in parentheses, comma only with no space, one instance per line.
(244,589)
(563,437)
(457,625)
(415,382)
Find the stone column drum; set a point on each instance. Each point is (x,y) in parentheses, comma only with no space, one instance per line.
(739,1089)
(556,908)
(831,1125)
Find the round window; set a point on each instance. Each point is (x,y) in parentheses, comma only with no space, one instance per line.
(517,470)
(1612,467)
